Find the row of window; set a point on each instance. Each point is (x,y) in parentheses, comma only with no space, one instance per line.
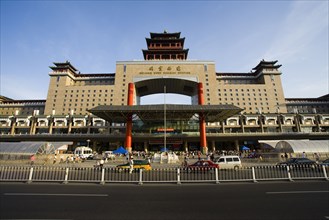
(249,103)
(243,99)
(88,95)
(83,91)
(231,82)
(247,94)
(242,90)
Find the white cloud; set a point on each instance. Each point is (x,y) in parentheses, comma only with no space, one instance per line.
(304,22)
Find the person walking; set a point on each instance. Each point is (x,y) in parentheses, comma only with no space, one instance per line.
(131,165)
(55,159)
(185,161)
(101,163)
(317,157)
(286,156)
(32,159)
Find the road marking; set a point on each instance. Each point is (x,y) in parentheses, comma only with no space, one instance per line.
(297,192)
(53,194)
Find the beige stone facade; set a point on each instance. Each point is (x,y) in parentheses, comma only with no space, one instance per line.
(10,107)
(74,93)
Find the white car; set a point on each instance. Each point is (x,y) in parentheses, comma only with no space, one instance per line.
(109,155)
(229,162)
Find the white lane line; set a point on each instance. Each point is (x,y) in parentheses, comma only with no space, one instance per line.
(54,194)
(297,192)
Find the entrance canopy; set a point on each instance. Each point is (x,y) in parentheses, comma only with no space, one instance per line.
(29,148)
(120,114)
(300,146)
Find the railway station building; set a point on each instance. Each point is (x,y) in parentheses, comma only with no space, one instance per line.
(77,102)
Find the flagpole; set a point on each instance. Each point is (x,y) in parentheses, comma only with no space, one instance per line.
(165,123)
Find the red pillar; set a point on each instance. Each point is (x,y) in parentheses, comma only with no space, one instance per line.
(129,124)
(202,122)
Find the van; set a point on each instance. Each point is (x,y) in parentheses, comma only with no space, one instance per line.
(84,152)
(229,162)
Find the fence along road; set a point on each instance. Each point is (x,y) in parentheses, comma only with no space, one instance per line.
(104,175)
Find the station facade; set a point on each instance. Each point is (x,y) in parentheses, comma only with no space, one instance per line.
(165,69)
(165,63)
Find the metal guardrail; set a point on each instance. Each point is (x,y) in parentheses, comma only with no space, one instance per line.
(104,175)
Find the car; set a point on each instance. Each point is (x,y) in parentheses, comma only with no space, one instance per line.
(229,162)
(109,155)
(138,164)
(298,161)
(202,165)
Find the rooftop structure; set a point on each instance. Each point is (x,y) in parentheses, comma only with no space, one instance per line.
(165,46)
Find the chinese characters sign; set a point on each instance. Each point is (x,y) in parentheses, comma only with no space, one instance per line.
(165,70)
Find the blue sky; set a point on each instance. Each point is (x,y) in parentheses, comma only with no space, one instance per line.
(93,35)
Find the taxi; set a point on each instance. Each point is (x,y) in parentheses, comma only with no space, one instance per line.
(138,164)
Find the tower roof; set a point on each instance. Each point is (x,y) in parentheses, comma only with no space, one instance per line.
(65,65)
(267,64)
(165,34)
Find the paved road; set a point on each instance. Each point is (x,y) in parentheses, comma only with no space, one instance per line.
(280,200)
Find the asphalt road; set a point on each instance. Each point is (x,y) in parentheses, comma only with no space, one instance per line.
(264,201)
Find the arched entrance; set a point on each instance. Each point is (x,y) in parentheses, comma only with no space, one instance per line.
(178,85)
(188,86)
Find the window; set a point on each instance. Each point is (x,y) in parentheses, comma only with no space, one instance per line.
(205,67)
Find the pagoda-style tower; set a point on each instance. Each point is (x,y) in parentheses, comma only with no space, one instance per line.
(64,67)
(270,65)
(165,46)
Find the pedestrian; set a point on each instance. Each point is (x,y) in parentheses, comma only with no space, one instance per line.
(286,156)
(55,158)
(317,157)
(185,160)
(199,155)
(32,159)
(303,155)
(101,163)
(212,157)
(131,165)
(97,164)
